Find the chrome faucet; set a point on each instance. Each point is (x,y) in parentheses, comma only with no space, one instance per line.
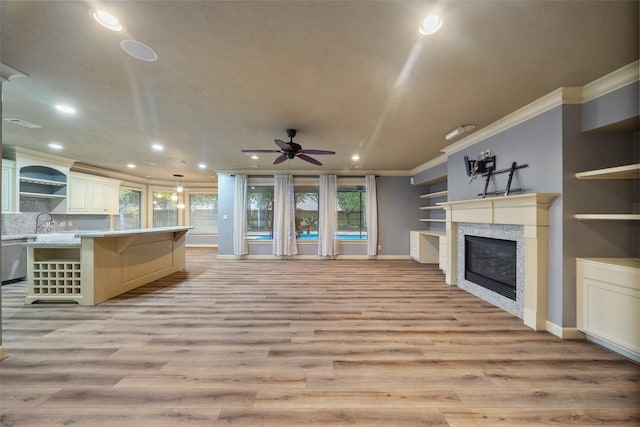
(48,223)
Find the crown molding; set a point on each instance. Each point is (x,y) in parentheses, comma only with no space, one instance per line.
(612,81)
(564,95)
(442,158)
(342,172)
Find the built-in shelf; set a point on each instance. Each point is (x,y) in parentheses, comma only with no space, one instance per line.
(436,194)
(431,208)
(618,172)
(432,220)
(42,181)
(609,217)
(42,195)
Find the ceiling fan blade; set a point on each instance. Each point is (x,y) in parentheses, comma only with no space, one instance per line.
(309,159)
(260,151)
(280,159)
(285,146)
(317,152)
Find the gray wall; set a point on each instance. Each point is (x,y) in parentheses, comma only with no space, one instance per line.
(611,108)
(226,189)
(536,142)
(433,174)
(398,213)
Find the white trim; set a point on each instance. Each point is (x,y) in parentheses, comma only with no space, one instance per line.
(612,81)
(393,257)
(566,95)
(614,347)
(339,172)
(442,158)
(564,333)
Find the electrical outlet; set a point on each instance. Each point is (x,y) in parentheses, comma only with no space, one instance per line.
(379,247)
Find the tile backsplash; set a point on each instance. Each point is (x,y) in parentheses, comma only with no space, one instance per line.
(25,223)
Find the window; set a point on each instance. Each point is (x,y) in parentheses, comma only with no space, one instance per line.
(306,199)
(260,212)
(351,213)
(165,209)
(130,209)
(203,213)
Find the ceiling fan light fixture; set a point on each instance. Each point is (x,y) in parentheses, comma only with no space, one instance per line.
(107,20)
(430,25)
(462,129)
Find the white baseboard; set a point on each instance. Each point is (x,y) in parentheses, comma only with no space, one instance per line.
(564,333)
(615,348)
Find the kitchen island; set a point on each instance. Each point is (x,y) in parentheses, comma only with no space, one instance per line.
(92,266)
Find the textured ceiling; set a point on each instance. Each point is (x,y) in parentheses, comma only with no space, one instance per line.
(351,76)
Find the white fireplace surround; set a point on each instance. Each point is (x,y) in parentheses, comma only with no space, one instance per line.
(527,210)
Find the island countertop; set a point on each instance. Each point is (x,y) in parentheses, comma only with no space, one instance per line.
(57,240)
(115,233)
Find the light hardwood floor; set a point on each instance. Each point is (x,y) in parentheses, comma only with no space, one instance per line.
(300,343)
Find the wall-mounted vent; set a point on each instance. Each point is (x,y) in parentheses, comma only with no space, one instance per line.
(23,123)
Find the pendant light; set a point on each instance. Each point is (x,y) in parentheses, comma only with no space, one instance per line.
(177,182)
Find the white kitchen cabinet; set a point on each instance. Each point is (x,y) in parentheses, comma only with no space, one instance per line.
(8,186)
(89,194)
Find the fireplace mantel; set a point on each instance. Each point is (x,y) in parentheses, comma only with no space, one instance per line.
(529,210)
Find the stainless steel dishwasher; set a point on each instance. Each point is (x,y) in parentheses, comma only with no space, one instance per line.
(14,260)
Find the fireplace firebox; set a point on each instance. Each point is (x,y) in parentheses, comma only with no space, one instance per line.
(491,263)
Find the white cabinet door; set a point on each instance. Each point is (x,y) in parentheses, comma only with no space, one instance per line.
(92,194)
(78,197)
(105,197)
(8,186)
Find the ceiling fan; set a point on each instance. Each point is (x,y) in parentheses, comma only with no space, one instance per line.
(290,150)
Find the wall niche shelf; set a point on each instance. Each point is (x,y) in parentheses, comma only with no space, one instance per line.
(608,217)
(631,171)
(436,194)
(42,195)
(618,172)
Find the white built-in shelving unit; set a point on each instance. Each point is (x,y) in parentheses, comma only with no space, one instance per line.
(435,197)
(610,285)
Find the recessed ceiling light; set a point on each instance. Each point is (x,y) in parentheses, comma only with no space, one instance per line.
(55,146)
(67,109)
(355,157)
(157,147)
(430,25)
(139,50)
(255,157)
(202,166)
(107,20)
(131,166)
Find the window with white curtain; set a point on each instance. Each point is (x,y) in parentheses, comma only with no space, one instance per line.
(306,199)
(260,212)
(352,202)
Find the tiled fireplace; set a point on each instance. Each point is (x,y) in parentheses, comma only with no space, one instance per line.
(517,218)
